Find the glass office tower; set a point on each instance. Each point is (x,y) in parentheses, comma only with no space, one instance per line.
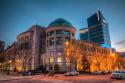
(98,31)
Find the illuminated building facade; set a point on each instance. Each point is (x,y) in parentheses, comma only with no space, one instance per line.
(57,34)
(8,57)
(90,57)
(31,45)
(40,46)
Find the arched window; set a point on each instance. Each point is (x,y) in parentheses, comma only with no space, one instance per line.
(59,59)
(51,59)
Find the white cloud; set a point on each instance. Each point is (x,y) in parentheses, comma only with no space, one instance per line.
(120,46)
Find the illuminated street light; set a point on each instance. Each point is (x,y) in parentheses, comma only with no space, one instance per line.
(113,55)
(9,61)
(67,43)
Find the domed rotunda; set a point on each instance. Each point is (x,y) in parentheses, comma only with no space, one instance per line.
(58,33)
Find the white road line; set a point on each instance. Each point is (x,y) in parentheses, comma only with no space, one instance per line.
(50,80)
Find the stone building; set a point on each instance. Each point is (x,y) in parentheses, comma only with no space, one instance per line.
(40,46)
(2,45)
(88,56)
(31,45)
(8,57)
(57,34)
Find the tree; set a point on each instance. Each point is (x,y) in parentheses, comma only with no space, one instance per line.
(83,54)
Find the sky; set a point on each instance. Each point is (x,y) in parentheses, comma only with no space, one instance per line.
(17,16)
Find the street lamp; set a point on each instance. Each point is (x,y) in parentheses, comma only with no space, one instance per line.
(67,43)
(113,55)
(9,61)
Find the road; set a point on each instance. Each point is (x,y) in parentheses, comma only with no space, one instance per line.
(64,79)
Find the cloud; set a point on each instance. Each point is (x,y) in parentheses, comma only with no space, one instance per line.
(120,46)
(122,42)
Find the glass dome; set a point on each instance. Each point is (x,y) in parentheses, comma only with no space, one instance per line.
(60,22)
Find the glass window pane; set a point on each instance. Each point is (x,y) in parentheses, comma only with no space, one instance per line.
(51,33)
(51,60)
(59,59)
(59,41)
(51,41)
(67,39)
(67,33)
(59,32)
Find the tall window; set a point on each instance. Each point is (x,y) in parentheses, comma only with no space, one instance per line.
(67,33)
(51,59)
(51,41)
(59,41)
(51,33)
(59,32)
(59,59)
(46,61)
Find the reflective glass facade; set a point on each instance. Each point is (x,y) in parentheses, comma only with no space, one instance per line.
(98,31)
(58,37)
(84,34)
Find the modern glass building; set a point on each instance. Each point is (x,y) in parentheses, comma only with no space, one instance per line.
(97,30)
(84,34)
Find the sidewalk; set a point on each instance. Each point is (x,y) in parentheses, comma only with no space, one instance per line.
(9,77)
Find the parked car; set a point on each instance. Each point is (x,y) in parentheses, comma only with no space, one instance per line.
(105,72)
(96,73)
(28,73)
(118,74)
(71,73)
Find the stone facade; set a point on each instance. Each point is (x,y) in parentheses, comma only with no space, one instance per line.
(56,38)
(8,58)
(57,34)
(40,46)
(31,46)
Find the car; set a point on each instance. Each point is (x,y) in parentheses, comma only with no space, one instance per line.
(96,73)
(119,74)
(105,72)
(71,73)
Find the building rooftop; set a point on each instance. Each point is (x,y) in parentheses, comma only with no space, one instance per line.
(60,22)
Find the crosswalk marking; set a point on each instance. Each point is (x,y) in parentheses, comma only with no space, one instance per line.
(50,80)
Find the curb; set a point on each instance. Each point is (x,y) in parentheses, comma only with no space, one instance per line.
(14,79)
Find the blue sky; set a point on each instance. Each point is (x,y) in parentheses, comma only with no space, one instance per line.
(17,16)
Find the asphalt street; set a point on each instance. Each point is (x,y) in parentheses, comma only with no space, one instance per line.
(62,79)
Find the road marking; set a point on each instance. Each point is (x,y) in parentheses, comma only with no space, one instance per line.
(55,81)
(51,80)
